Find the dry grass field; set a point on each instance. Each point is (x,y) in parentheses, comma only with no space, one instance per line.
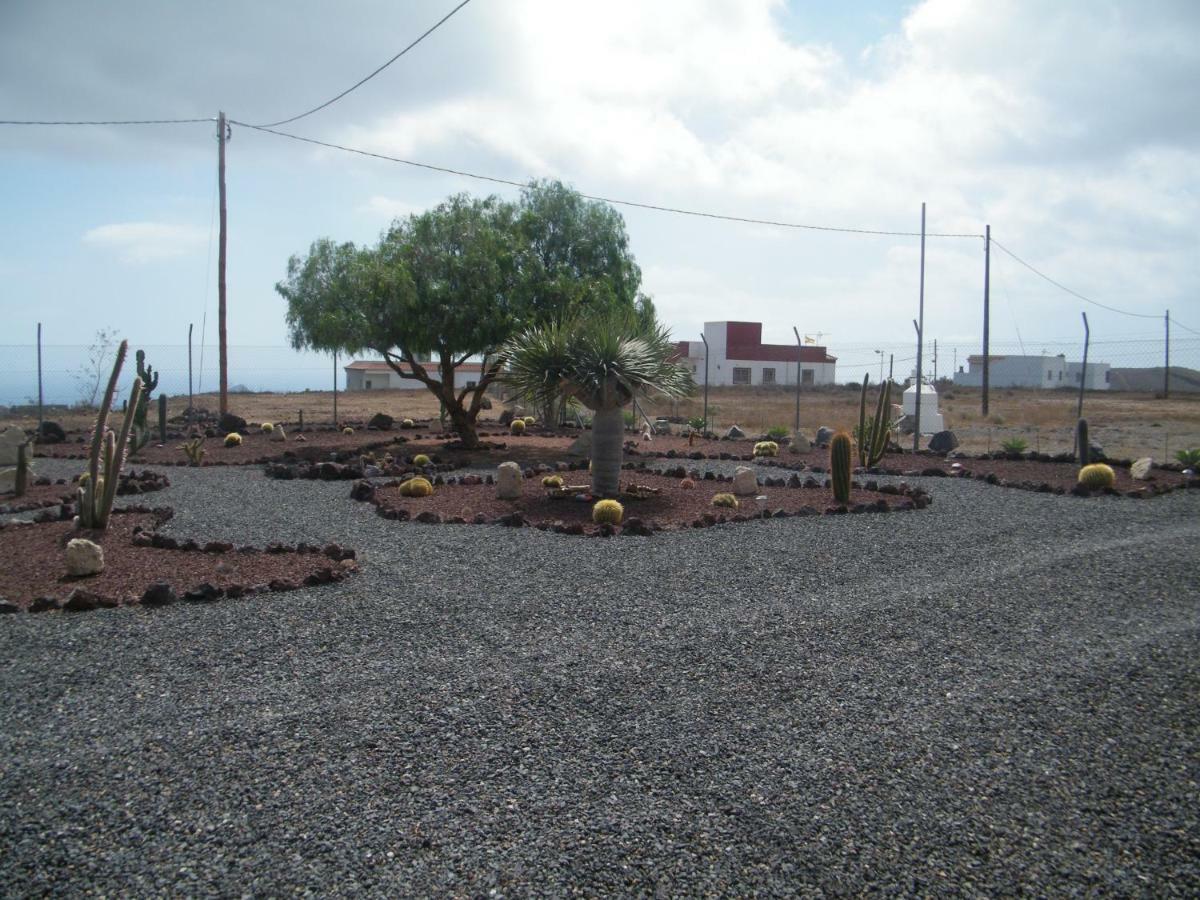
(1124,424)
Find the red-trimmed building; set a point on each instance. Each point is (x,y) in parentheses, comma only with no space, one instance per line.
(737,355)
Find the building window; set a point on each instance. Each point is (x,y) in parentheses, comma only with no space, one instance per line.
(1049,375)
(471,384)
(368,384)
(1060,374)
(1107,377)
(806,376)
(768,376)
(740,375)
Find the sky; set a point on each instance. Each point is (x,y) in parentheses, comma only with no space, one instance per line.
(1068,127)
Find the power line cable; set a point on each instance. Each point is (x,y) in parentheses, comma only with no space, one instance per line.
(616,202)
(1184,327)
(1063,287)
(363,81)
(109,122)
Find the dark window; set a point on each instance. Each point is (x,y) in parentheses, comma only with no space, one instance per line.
(806,376)
(768,376)
(471,384)
(368,382)
(740,375)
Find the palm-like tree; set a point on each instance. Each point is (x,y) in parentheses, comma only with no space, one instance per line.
(604,362)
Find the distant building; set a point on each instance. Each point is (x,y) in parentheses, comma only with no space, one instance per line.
(377,375)
(1042,371)
(737,355)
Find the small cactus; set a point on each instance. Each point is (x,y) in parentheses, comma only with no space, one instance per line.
(416,487)
(766,448)
(421,460)
(727,501)
(530,420)
(347,430)
(517,426)
(839,466)
(233,439)
(407,423)
(687,484)
(552,481)
(267,428)
(1097,476)
(194,449)
(608,512)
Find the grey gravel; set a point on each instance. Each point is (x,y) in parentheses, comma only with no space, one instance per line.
(998,694)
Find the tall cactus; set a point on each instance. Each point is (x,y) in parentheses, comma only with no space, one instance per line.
(107,455)
(149,379)
(1081,442)
(873,433)
(839,466)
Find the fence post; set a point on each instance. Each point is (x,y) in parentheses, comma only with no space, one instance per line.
(39,357)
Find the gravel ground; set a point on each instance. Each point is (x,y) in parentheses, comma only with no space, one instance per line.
(999,694)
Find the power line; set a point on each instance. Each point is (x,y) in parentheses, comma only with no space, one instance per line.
(360,83)
(111,122)
(614,201)
(1063,287)
(1184,327)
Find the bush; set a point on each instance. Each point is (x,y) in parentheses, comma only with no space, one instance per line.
(777,432)
(1014,445)
(517,426)
(552,481)
(630,418)
(1097,476)
(1189,458)
(726,500)
(696,423)
(607,512)
(416,487)
(233,439)
(421,460)
(267,428)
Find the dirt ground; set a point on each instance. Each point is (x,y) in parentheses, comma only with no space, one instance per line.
(1124,424)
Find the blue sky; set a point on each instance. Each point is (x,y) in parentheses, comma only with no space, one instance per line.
(1066,126)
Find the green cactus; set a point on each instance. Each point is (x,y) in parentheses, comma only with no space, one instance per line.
(194,449)
(873,432)
(608,512)
(1097,476)
(107,456)
(149,379)
(839,466)
(1081,442)
(421,460)
(416,487)
(729,501)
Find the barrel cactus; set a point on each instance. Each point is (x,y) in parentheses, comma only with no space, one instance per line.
(552,482)
(267,427)
(766,448)
(530,420)
(517,426)
(726,500)
(416,487)
(1097,476)
(347,430)
(607,512)
(421,460)
(839,466)
(233,439)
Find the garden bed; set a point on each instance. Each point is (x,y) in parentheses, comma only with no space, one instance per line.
(142,566)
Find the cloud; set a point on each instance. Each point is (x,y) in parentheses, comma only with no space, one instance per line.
(138,243)
(390,207)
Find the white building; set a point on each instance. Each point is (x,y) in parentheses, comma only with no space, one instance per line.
(377,375)
(737,355)
(1042,371)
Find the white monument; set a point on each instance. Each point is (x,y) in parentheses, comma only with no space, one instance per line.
(931,417)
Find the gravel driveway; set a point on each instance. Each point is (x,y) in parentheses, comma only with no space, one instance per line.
(999,694)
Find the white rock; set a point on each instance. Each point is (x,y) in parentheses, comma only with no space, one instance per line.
(84,557)
(1140,470)
(509,481)
(745,481)
(278,434)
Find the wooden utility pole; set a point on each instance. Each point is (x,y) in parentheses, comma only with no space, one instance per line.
(920,326)
(222,134)
(987,286)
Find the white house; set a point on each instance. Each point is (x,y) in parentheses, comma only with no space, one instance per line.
(737,355)
(1042,371)
(377,375)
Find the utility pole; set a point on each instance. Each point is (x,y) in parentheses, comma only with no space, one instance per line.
(1087,337)
(222,136)
(987,285)
(1166,357)
(920,326)
(935,362)
(189,412)
(703,338)
(799,353)
(40,412)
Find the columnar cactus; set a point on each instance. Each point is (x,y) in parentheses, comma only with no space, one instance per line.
(873,433)
(95,497)
(839,466)
(149,379)
(1081,441)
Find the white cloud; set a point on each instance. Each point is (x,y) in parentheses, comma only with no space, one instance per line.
(146,242)
(389,208)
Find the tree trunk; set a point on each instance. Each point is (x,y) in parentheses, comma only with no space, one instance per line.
(608,439)
(464,424)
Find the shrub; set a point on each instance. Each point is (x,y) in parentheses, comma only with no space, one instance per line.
(726,500)
(630,418)
(267,428)
(1014,445)
(1189,458)
(777,432)
(416,487)
(233,439)
(1097,476)
(766,448)
(552,481)
(696,423)
(347,430)
(607,512)
(839,466)
(517,426)
(421,460)
(687,484)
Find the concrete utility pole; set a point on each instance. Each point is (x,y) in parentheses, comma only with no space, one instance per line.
(799,353)
(1166,357)
(222,136)
(703,338)
(987,286)
(920,326)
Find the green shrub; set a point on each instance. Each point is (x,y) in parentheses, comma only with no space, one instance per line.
(1189,458)
(1097,476)
(778,432)
(416,487)
(607,512)
(1014,445)
(727,501)
(233,439)
(630,418)
(696,423)
(421,460)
